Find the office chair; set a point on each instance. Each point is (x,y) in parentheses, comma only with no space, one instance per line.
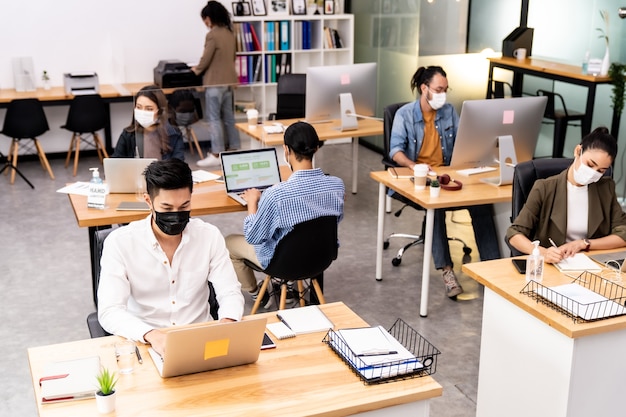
(87,115)
(562,117)
(95,329)
(524,177)
(183,101)
(388,115)
(290,97)
(25,119)
(498,89)
(304,253)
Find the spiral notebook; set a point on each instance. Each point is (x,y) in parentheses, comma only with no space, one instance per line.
(280,330)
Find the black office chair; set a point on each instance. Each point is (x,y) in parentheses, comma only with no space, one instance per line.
(25,119)
(501,89)
(95,329)
(290,97)
(388,115)
(304,253)
(87,115)
(562,117)
(183,101)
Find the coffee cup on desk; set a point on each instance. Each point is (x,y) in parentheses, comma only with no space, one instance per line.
(253,117)
(420,172)
(520,54)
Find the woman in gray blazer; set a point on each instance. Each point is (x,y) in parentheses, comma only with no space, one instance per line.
(576,209)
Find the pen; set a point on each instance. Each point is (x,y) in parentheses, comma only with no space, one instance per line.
(139,359)
(379,352)
(552,242)
(283,321)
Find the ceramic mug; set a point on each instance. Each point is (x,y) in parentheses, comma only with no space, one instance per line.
(520,54)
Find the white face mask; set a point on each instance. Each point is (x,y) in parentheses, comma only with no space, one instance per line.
(286,160)
(144,117)
(437,101)
(586,175)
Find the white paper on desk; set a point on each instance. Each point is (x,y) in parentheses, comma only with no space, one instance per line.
(578,262)
(581,301)
(78,188)
(367,341)
(201,175)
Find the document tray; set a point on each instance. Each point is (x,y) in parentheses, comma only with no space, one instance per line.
(423,361)
(589,297)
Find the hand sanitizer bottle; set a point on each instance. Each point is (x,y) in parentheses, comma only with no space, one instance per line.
(97,191)
(534,265)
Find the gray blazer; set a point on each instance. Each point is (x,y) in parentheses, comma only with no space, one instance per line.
(544,215)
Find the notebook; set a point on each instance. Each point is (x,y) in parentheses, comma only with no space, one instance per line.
(252,168)
(578,262)
(302,320)
(125,175)
(604,259)
(206,346)
(69,380)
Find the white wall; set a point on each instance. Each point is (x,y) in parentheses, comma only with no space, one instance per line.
(120,40)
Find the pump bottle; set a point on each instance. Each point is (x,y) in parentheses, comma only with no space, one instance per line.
(534,264)
(97,191)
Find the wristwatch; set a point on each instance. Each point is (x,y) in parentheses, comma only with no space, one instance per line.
(587,244)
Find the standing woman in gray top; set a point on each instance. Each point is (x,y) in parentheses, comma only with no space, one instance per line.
(217,67)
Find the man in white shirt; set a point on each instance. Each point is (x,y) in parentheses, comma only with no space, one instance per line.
(155,271)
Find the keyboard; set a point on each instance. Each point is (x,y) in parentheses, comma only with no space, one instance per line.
(472,171)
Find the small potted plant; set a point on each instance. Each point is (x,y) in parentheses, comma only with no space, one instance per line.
(105,395)
(46,80)
(435,188)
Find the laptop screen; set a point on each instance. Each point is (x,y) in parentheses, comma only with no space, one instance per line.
(252,168)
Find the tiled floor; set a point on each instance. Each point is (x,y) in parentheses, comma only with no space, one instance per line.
(46,288)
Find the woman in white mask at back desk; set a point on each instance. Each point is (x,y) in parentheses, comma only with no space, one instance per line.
(149,134)
(577,209)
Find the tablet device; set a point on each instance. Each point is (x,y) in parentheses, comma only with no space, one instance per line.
(520,265)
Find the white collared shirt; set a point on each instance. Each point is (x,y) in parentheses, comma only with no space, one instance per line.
(139,290)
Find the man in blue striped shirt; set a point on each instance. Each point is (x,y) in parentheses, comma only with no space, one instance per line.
(306,195)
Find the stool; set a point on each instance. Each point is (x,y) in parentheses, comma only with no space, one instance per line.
(25,119)
(561,120)
(87,115)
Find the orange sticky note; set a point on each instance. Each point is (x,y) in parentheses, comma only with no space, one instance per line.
(216,348)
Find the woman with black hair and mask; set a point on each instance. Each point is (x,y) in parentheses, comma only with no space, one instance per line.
(577,209)
(150,135)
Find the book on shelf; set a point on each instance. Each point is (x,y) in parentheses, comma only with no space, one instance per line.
(69,380)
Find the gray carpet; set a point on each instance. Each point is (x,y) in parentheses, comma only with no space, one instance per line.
(46,286)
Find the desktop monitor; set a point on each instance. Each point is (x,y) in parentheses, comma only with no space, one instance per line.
(330,88)
(482,122)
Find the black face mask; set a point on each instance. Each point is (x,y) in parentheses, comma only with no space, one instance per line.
(171,222)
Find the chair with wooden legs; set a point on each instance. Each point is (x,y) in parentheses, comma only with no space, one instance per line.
(87,115)
(184,110)
(304,253)
(25,119)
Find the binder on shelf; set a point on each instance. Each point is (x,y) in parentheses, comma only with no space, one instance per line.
(69,380)
(257,70)
(255,39)
(284,35)
(244,69)
(238,45)
(248,35)
(337,39)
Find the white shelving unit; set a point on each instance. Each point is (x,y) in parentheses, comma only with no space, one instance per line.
(263,92)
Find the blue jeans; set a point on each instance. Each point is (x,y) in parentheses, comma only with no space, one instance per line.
(220,115)
(484,232)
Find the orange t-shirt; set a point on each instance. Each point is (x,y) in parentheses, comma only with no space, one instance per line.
(431,152)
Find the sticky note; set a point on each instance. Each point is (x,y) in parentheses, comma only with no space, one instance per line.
(216,348)
(345,79)
(508,117)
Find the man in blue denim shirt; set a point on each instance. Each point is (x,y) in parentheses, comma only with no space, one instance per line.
(424,132)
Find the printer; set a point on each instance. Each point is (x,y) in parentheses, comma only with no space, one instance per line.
(173,73)
(80,83)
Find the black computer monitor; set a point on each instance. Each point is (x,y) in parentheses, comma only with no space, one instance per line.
(483,121)
(327,84)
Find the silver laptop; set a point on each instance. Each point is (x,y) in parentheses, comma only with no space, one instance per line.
(252,168)
(125,175)
(611,260)
(207,346)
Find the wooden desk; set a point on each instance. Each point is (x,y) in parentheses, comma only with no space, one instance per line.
(570,74)
(473,193)
(301,377)
(325,131)
(535,360)
(207,198)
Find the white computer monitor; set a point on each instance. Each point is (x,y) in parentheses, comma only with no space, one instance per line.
(482,122)
(340,92)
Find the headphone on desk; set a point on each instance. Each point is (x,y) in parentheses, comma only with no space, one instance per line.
(448,183)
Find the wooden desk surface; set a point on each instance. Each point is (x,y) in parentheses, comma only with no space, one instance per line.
(301,377)
(501,277)
(550,67)
(54,93)
(207,198)
(473,192)
(325,131)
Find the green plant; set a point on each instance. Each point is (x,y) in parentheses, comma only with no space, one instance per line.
(434,183)
(604,33)
(617,72)
(106,382)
